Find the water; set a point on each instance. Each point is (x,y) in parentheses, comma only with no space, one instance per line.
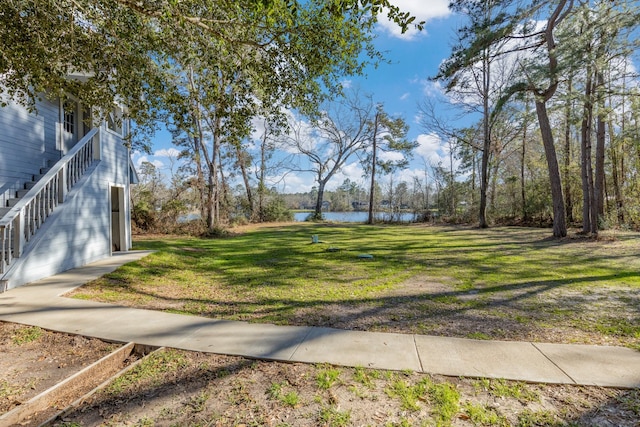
(355,216)
(188,217)
(333,216)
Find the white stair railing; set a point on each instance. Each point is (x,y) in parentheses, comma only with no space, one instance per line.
(24,219)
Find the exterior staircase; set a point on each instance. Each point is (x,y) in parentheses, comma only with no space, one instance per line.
(21,193)
(23,215)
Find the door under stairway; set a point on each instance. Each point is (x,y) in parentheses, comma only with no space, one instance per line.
(118,230)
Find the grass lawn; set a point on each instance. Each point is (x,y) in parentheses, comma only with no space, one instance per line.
(500,283)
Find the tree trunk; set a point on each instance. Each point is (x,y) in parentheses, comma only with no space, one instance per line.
(567,157)
(199,151)
(213,215)
(452,180)
(210,188)
(200,181)
(211,203)
(598,186)
(261,185)
(474,166)
(493,178)
(559,219)
(486,141)
(374,160)
(615,175)
(240,158)
(588,209)
(224,196)
(484,180)
(523,194)
(319,199)
(426,193)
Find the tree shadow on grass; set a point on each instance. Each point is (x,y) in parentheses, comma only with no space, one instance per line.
(521,311)
(276,275)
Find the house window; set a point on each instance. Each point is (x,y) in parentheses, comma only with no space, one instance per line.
(87,122)
(115,121)
(69,121)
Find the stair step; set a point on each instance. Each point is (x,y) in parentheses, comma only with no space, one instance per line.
(21,193)
(43,171)
(12,202)
(29,185)
(3,211)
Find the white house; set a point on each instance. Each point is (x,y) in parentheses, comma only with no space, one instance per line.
(64,189)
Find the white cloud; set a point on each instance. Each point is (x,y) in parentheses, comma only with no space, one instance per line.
(164,152)
(431,148)
(258,129)
(423,11)
(346,84)
(408,175)
(352,171)
(392,156)
(138,160)
(405,96)
(432,88)
(300,132)
(292,183)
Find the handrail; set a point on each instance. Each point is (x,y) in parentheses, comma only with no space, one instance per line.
(22,221)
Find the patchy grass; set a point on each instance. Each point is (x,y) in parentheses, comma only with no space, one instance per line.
(26,335)
(327,377)
(500,283)
(530,418)
(501,388)
(8,390)
(276,391)
(365,377)
(443,398)
(292,399)
(331,416)
(478,336)
(151,370)
(190,391)
(483,415)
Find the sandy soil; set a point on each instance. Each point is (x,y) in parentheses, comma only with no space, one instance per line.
(177,388)
(33,360)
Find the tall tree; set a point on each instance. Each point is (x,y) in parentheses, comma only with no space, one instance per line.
(541,71)
(215,94)
(389,137)
(597,36)
(468,72)
(264,163)
(543,82)
(116,48)
(566,170)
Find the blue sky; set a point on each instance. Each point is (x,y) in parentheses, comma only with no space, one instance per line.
(399,85)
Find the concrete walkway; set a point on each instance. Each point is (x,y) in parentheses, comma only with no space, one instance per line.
(40,304)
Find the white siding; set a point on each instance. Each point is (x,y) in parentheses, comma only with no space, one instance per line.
(27,143)
(79,231)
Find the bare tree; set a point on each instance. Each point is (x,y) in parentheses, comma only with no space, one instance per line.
(328,141)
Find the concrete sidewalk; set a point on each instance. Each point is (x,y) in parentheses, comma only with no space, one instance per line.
(40,304)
